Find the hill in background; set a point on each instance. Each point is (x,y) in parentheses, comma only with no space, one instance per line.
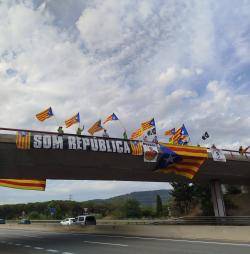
(111,207)
(145,198)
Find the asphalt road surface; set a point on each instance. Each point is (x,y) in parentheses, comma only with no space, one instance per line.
(34,242)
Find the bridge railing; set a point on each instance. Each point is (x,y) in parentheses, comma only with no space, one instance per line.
(209,220)
(233,153)
(227,152)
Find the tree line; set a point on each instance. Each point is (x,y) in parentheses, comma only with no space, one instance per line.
(59,209)
(184,198)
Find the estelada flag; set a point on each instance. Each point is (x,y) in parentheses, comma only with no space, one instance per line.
(24,184)
(136,148)
(137,133)
(180,137)
(112,117)
(74,119)
(95,127)
(23,139)
(174,139)
(170,132)
(47,113)
(181,160)
(147,125)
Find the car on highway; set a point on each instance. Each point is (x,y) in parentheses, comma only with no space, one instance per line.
(68,221)
(24,221)
(86,220)
(2,221)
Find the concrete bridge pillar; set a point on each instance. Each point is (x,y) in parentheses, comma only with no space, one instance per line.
(217,198)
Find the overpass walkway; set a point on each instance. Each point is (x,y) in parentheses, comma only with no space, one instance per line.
(49,163)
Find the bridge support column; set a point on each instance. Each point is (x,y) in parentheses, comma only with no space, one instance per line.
(217,198)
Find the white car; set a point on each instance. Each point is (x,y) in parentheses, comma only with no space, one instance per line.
(68,221)
(85,220)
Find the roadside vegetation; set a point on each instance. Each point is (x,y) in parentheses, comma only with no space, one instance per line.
(184,200)
(130,208)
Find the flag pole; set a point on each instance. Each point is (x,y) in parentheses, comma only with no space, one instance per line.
(57,123)
(122,124)
(124,129)
(79,120)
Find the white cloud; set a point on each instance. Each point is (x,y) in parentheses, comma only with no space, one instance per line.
(169,76)
(175,74)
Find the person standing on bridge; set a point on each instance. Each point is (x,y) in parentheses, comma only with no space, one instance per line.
(105,134)
(125,136)
(60,130)
(79,130)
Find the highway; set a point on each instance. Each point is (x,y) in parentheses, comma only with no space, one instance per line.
(35,242)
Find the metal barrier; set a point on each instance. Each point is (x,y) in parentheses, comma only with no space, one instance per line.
(197,220)
(208,220)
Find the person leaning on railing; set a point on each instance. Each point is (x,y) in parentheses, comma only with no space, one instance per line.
(60,131)
(79,131)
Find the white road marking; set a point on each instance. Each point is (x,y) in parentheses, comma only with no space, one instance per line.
(51,250)
(31,236)
(27,246)
(67,253)
(38,248)
(210,242)
(15,234)
(174,240)
(18,244)
(141,238)
(112,244)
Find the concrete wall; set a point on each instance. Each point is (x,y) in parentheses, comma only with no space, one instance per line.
(214,233)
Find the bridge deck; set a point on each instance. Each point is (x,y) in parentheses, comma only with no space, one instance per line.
(66,164)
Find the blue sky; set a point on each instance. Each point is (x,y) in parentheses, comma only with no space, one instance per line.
(179,61)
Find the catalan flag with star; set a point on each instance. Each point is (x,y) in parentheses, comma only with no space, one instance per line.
(38,185)
(137,133)
(136,147)
(23,140)
(112,117)
(180,137)
(74,119)
(181,160)
(47,113)
(169,132)
(148,125)
(97,126)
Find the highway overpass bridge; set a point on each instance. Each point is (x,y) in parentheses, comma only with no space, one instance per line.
(47,158)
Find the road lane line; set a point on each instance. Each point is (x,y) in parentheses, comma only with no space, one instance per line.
(112,244)
(51,250)
(18,244)
(67,252)
(27,246)
(210,242)
(31,236)
(14,234)
(38,248)
(173,240)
